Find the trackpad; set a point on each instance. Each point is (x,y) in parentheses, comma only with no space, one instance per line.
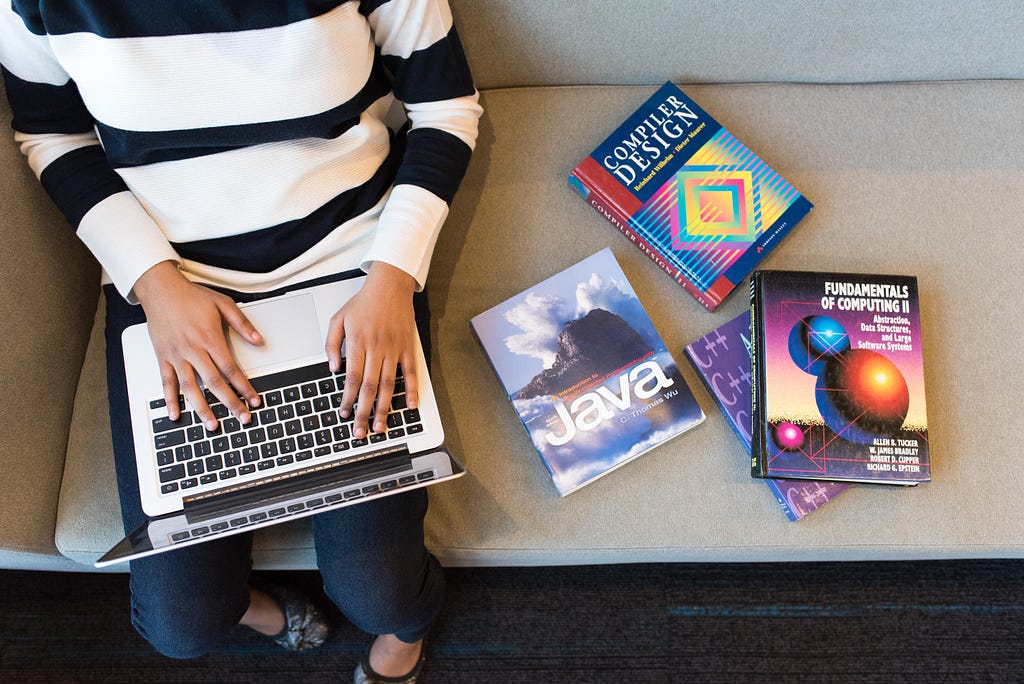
(290,331)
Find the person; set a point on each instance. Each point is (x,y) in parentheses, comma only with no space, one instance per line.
(207,151)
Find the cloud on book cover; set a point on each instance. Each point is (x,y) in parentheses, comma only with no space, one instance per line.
(575,474)
(542,317)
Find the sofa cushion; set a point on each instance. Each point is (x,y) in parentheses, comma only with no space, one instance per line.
(48,283)
(913,178)
(543,43)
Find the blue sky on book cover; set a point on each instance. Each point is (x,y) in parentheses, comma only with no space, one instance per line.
(722,360)
(587,371)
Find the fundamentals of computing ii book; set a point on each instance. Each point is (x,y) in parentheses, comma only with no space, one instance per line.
(722,360)
(839,390)
(690,195)
(586,371)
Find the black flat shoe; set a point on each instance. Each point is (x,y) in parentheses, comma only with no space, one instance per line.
(305,625)
(365,674)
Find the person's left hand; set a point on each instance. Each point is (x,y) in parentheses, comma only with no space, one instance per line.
(378,327)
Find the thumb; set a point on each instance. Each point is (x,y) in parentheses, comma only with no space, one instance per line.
(234,317)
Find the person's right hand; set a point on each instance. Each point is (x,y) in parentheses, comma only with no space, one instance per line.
(187,327)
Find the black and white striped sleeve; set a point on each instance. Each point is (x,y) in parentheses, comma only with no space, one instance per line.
(421,50)
(56,133)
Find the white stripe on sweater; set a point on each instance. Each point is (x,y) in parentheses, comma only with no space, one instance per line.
(255,187)
(197,81)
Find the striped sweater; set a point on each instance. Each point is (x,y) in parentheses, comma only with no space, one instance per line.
(245,140)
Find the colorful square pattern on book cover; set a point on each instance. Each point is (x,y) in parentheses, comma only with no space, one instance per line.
(715,209)
(689,194)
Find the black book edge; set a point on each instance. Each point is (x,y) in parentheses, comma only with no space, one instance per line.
(758,462)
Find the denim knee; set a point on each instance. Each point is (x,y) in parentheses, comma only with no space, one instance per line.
(390,600)
(376,568)
(180,625)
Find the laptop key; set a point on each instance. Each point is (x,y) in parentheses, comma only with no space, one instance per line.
(164,424)
(169,488)
(165,457)
(173,472)
(166,440)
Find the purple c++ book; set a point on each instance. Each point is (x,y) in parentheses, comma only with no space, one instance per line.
(722,360)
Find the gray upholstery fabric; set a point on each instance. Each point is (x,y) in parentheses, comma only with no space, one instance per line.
(539,42)
(899,185)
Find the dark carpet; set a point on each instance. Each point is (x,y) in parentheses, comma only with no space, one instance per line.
(944,621)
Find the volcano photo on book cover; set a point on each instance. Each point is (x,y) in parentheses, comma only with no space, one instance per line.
(586,371)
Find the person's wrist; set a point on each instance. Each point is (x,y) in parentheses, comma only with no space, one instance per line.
(156,279)
(383,275)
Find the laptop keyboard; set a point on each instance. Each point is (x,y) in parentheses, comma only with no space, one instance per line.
(297,421)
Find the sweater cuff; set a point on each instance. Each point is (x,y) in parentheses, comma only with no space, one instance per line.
(125,240)
(407,231)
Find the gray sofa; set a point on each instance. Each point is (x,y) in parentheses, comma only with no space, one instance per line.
(905,127)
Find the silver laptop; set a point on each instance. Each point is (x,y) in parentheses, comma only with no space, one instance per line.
(297,457)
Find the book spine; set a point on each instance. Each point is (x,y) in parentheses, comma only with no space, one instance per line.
(758,461)
(591,191)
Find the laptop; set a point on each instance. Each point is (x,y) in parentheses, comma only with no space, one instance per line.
(297,458)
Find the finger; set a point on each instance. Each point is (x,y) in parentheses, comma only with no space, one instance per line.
(222,389)
(188,382)
(227,369)
(226,361)
(238,322)
(385,390)
(169,380)
(335,337)
(368,389)
(353,380)
(412,386)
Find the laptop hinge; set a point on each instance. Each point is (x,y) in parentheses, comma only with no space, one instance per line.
(316,476)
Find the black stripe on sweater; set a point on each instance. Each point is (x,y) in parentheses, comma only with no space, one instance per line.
(439,72)
(79,180)
(138,19)
(40,108)
(138,148)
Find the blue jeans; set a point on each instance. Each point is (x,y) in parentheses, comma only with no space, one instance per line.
(371,556)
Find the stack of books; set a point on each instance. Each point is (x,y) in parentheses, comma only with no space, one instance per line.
(822,382)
